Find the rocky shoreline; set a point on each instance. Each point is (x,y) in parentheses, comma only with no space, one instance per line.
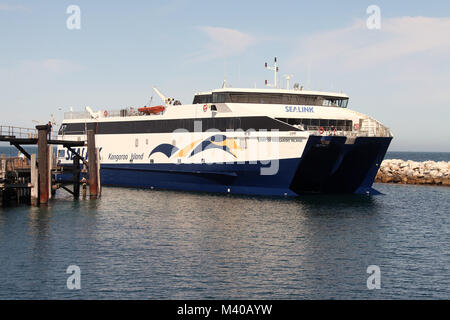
(413,172)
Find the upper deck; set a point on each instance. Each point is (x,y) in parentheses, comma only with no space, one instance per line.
(273,96)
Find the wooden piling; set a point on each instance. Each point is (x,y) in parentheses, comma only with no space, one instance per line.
(84,189)
(76,176)
(43,164)
(34,181)
(50,167)
(94,167)
(2,167)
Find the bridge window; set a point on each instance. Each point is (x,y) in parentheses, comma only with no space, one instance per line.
(202,99)
(271,98)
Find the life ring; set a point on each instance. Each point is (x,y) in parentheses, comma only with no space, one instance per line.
(356,126)
(321,130)
(105,113)
(205,107)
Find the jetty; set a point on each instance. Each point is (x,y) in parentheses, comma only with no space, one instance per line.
(413,172)
(31,179)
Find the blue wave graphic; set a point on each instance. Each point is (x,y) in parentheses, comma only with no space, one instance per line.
(166,149)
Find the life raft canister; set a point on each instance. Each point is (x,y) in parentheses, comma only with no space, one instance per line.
(152,110)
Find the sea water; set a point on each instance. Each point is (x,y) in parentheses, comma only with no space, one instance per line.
(149,244)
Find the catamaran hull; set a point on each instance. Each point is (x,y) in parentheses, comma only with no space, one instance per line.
(327,165)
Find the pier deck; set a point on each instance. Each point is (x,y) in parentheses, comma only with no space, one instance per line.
(30,179)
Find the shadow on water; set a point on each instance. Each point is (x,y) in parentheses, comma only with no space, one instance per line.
(342,200)
(317,201)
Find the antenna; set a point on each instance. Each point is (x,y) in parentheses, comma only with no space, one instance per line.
(275,70)
(224,83)
(308,78)
(288,80)
(52,120)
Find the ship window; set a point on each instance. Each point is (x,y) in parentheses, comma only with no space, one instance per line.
(62,129)
(202,99)
(273,98)
(218,97)
(238,98)
(323,122)
(314,124)
(334,102)
(285,99)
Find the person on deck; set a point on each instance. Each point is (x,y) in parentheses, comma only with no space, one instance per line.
(49,130)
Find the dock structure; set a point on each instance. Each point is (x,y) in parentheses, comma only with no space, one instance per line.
(30,179)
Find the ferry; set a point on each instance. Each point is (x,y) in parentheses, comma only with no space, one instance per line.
(268,141)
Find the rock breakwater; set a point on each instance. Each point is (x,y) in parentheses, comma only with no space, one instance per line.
(413,172)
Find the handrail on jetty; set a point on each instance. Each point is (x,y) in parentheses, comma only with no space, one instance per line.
(18,132)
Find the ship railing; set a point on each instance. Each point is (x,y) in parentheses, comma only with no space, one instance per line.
(76,115)
(374,128)
(129,112)
(334,131)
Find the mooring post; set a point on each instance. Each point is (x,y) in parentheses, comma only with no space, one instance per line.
(93,165)
(83,184)
(76,176)
(34,181)
(99,181)
(43,163)
(2,167)
(50,167)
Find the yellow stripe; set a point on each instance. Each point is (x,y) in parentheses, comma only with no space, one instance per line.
(183,152)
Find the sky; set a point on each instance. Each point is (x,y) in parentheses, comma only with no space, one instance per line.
(398,73)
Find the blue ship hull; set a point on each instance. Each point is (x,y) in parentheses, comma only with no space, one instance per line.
(328,165)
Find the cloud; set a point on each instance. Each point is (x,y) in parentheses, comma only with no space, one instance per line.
(225,42)
(357,47)
(398,74)
(14,8)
